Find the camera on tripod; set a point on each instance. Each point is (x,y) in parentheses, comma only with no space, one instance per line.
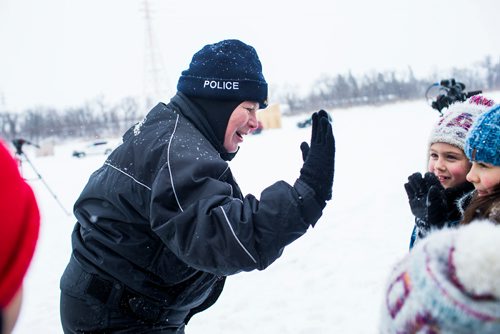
(18,145)
(21,155)
(450,91)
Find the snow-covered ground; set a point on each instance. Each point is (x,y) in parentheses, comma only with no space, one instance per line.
(329,281)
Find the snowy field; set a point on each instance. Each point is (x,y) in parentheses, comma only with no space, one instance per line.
(329,281)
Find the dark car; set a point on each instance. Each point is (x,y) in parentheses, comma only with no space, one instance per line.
(308,122)
(259,128)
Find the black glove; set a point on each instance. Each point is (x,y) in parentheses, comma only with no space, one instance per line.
(319,158)
(452,196)
(427,201)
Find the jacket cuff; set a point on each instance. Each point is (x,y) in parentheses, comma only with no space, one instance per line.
(310,208)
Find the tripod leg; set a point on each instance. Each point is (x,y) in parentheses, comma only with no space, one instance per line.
(46,185)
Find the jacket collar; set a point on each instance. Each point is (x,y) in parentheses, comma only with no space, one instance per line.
(196,116)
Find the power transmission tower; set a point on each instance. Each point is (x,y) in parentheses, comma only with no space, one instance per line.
(3,104)
(156,85)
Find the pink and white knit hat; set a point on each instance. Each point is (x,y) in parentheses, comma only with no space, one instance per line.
(452,128)
(448,283)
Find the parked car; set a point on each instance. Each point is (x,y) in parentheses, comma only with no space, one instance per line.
(99,147)
(308,122)
(305,123)
(259,128)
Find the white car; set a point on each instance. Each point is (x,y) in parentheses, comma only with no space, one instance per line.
(95,148)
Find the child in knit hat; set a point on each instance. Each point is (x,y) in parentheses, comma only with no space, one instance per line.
(447,284)
(433,197)
(19,225)
(482,147)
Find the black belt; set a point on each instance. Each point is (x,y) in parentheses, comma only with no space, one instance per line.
(131,303)
(116,295)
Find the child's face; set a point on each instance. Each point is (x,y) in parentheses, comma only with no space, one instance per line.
(485,177)
(449,164)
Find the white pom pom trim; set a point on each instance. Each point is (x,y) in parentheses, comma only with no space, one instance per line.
(477,258)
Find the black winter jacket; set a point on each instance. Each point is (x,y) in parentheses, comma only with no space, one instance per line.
(165,217)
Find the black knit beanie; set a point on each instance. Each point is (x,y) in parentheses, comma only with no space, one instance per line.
(227,70)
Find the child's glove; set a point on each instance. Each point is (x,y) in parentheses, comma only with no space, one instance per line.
(319,158)
(427,201)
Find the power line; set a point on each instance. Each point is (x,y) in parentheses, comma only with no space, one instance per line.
(156,82)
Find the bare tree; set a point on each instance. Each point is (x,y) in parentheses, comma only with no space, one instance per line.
(9,125)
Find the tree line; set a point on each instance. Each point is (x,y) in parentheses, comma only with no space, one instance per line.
(375,88)
(97,119)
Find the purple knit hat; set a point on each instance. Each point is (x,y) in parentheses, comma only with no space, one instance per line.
(453,127)
(448,283)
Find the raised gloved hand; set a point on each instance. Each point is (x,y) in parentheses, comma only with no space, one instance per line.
(453,195)
(427,201)
(319,158)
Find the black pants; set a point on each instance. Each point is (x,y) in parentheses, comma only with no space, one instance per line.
(84,317)
(91,304)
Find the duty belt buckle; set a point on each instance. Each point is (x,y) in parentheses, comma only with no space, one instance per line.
(142,308)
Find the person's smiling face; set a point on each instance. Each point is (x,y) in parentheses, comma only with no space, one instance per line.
(242,122)
(448,163)
(485,177)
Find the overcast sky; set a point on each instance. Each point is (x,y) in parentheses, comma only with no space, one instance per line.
(64,52)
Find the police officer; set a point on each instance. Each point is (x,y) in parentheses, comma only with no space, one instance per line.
(163,222)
